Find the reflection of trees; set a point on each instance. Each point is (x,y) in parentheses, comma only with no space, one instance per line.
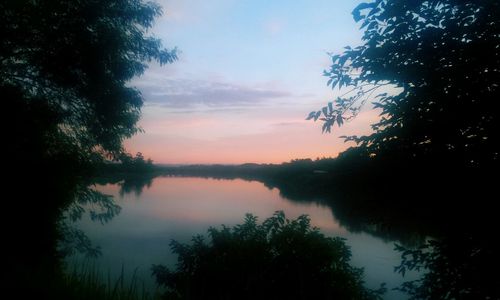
(135,184)
(74,240)
(357,211)
(128,182)
(302,184)
(100,208)
(420,202)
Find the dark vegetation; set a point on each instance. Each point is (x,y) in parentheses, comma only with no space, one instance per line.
(127,164)
(132,173)
(278,259)
(86,282)
(459,266)
(64,66)
(432,69)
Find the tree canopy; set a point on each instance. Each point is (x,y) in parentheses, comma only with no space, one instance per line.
(432,68)
(65,68)
(65,71)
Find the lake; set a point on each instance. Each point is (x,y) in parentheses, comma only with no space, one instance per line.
(180,207)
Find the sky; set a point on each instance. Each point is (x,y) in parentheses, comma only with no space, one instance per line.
(249,72)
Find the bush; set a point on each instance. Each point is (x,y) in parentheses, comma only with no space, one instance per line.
(278,259)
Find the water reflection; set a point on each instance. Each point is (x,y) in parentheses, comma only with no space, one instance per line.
(128,183)
(180,207)
(100,207)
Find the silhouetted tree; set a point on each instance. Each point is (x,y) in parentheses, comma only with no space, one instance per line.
(137,163)
(68,63)
(278,259)
(432,67)
(65,68)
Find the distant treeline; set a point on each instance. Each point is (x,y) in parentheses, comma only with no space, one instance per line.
(403,192)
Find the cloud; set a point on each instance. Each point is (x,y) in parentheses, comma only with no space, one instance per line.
(182,94)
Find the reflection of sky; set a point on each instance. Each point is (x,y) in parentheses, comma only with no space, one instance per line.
(248,74)
(178,208)
(199,203)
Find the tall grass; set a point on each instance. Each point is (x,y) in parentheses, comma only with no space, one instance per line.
(86,281)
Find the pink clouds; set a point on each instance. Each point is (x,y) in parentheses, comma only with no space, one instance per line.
(217,138)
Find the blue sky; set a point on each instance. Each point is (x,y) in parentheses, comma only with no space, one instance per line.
(248,74)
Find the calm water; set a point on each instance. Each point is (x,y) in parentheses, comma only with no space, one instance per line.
(180,207)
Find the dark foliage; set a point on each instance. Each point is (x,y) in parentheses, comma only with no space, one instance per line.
(457,267)
(432,67)
(278,259)
(64,73)
(66,65)
(137,163)
(132,173)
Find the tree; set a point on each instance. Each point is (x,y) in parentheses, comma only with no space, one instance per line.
(432,68)
(278,259)
(65,68)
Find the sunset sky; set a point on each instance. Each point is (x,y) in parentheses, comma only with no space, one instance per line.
(249,72)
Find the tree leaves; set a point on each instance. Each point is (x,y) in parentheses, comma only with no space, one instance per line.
(76,57)
(340,120)
(356,13)
(439,60)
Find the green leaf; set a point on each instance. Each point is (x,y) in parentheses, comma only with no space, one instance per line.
(317,115)
(325,111)
(311,115)
(356,13)
(340,120)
